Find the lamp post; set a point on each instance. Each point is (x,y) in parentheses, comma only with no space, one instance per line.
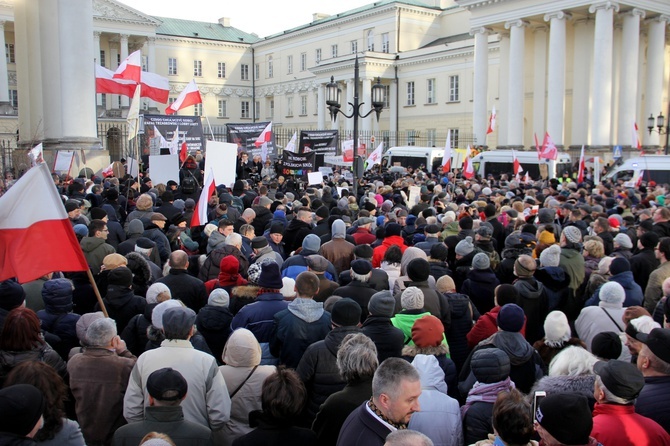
(333,94)
(662,128)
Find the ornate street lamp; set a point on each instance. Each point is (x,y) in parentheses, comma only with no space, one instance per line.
(661,127)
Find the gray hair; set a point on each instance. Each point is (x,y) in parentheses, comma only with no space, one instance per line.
(360,277)
(609,396)
(389,376)
(234,239)
(357,358)
(101,332)
(407,437)
(248,212)
(644,324)
(657,364)
(572,361)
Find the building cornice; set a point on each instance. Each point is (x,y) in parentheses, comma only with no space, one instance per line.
(203,42)
(109,11)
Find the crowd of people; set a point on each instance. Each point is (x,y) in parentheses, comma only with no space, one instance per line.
(483,311)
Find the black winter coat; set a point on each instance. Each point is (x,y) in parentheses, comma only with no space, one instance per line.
(505,270)
(462,268)
(557,285)
(262,219)
(360,292)
(294,234)
(213,324)
(388,339)
(186,288)
(379,280)
(642,264)
(337,408)
(212,266)
(462,315)
(122,304)
(477,422)
(535,303)
(135,333)
(438,269)
(273,432)
(480,288)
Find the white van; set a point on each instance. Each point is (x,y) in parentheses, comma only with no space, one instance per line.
(414,156)
(649,167)
(497,162)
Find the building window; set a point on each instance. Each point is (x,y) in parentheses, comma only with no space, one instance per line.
(14,98)
(257,71)
(221,74)
(371,40)
(431,134)
(172,66)
(303,61)
(411,137)
(333,51)
(171,100)
(223,109)
(272,108)
(102,59)
(289,64)
(197,109)
(257,109)
(410,93)
(303,105)
(454,137)
(430,91)
(197,68)
(145,63)
(289,106)
(386,43)
(354,46)
(387,96)
(454,95)
(271,68)
(317,55)
(118,59)
(244,72)
(244,112)
(103,100)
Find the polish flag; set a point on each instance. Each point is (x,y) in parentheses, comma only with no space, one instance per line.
(517,165)
(537,147)
(200,212)
(130,68)
(183,153)
(636,139)
(580,175)
(36,236)
(174,142)
(492,121)
(189,96)
(106,84)
(265,136)
(108,171)
(36,154)
(375,157)
(155,87)
(468,169)
(549,150)
(446,158)
(290,147)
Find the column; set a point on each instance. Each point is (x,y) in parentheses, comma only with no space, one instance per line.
(503,94)
(481,83)
(539,80)
(601,96)
(321,107)
(96,56)
(655,78)
(349,127)
(123,41)
(630,41)
(366,123)
(50,62)
(556,75)
(582,55)
(5,107)
(515,82)
(151,63)
(616,80)
(393,114)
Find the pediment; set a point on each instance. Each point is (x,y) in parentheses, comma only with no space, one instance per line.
(110,10)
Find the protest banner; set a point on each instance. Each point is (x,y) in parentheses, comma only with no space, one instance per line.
(159,130)
(298,164)
(245,136)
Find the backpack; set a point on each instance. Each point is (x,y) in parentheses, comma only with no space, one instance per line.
(238,204)
(189,185)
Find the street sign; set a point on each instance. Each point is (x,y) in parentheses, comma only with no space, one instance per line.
(617,152)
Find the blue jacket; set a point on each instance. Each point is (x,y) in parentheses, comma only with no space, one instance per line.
(653,400)
(258,317)
(297,263)
(634,293)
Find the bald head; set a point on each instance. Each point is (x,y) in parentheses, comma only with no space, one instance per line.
(179,260)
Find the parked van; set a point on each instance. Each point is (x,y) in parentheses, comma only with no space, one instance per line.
(414,156)
(648,167)
(497,162)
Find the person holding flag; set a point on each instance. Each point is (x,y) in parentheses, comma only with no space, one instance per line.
(446,158)
(375,157)
(468,168)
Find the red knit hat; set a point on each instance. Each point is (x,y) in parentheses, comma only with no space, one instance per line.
(427,331)
(229,265)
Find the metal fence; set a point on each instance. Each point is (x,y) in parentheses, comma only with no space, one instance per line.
(13,159)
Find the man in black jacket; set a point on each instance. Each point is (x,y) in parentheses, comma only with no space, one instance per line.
(183,286)
(388,339)
(297,230)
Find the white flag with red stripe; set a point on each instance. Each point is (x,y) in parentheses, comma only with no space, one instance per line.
(108,171)
(265,136)
(36,236)
(155,86)
(106,84)
(189,96)
(636,139)
(468,169)
(492,121)
(446,158)
(130,68)
(290,147)
(200,212)
(582,165)
(517,165)
(375,157)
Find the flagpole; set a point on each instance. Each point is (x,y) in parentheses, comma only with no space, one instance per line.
(97,293)
(210,127)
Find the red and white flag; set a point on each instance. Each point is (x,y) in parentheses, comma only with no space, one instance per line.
(108,171)
(130,68)
(446,158)
(200,212)
(189,96)
(106,84)
(537,147)
(36,154)
(265,136)
(290,147)
(582,165)
(36,236)
(517,165)
(375,157)
(549,150)
(183,152)
(155,87)
(636,139)
(468,169)
(174,142)
(492,121)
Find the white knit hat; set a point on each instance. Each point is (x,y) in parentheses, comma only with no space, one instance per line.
(157,314)
(288,290)
(556,329)
(613,293)
(218,298)
(551,256)
(156,289)
(412,299)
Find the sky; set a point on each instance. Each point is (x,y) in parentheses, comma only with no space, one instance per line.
(263,17)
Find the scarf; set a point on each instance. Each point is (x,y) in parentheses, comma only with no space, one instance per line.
(486,393)
(399,426)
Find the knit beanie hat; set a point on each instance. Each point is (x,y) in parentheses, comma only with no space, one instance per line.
(12,294)
(511,318)
(427,331)
(623,240)
(439,251)
(288,290)
(382,304)
(254,273)
(613,293)
(218,298)
(445,284)
(229,265)
(418,270)
(547,238)
(156,289)
(346,313)
(619,265)
(567,417)
(465,223)
(135,227)
(21,407)
(545,215)
(270,277)
(551,256)
(481,261)
(311,243)
(490,365)
(606,345)
(465,247)
(120,276)
(556,329)
(80,230)
(411,298)
(394,229)
(572,234)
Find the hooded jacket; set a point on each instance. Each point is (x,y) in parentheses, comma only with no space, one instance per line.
(338,251)
(213,323)
(186,288)
(297,263)
(634,295)
(156,235)
(294,234)
(135,333)
(440,353)
(57,317)
(572,262)
(388,339)
(215,240)
(505,270)
(480,287)
(301,324)
(533,299)
(210,269)
(95,250)
(122,304)
(463,312)
(557,286)
(379,252)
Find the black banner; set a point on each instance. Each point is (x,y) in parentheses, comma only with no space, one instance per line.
(159,132)
(245,135)
(323,142)
(298,164)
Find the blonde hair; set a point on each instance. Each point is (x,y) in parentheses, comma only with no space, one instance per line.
(595,248)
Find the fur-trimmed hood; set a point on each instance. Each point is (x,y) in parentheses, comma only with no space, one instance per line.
(140,268)
(246,291)
(413,350)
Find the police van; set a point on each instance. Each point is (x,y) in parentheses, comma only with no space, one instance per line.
(415,156)
(647,168)
(497,162)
